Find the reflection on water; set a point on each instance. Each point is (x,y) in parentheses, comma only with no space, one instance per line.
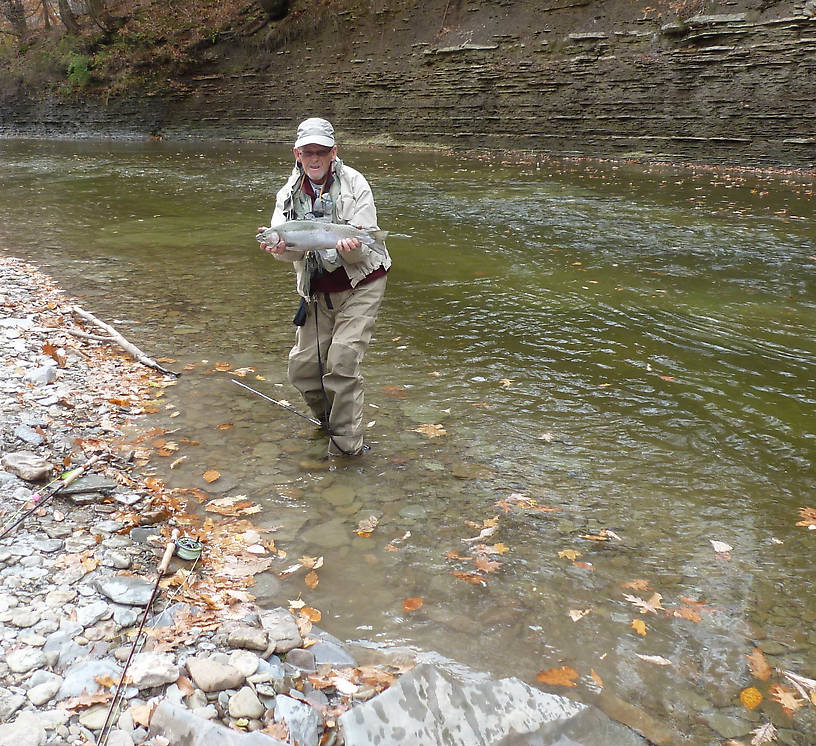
(621,360)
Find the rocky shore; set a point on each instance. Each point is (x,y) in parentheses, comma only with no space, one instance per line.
(211,667)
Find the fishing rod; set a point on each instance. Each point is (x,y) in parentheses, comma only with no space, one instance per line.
(40,500)
(162,568)
(279,403)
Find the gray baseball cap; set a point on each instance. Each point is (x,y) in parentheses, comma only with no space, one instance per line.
(315,131)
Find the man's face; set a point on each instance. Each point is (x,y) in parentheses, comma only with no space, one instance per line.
(316,161)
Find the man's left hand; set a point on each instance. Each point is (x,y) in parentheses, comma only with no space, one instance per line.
(345,245)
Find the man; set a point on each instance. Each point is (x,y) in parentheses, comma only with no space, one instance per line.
(341,288)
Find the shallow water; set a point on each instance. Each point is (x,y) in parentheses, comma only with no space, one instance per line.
(605,347)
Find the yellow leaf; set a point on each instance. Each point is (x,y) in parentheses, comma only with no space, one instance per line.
(564,676)
(639,626)
(313,615)
(570,554)
(432,431)
(596,678)
(211,475)
(750,697)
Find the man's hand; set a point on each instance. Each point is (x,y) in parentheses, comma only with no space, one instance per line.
(277,248)
(345,245)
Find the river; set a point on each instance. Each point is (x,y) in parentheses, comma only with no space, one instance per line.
(616,363)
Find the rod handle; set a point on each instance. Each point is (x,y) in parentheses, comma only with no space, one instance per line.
(168,552)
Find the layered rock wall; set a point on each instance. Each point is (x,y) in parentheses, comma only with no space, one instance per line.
(592,78)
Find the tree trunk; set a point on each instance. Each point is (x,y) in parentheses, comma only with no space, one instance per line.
(14,12)
(67,17)
(46,15)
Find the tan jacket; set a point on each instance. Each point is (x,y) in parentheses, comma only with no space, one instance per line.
(353,203)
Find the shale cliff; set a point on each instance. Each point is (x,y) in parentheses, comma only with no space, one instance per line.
(731,82)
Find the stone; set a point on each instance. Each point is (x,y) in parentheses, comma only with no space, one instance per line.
(26,730)
(42,376)
(211,676)
(245,704)
(152,669)
(29,436)
(281,630)
(10,702)
(26,465)
(304,722)
(245,661)
(251,638)
(184,728)
(94,717)
(93,613)
(302,659)
(43,687)
(125,589)
(25,659)
(429,706)
(119,738)
(329,652)
(81,677)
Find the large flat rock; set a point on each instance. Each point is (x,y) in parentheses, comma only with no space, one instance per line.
(430,707)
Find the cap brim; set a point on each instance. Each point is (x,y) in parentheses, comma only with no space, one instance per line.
(315,140)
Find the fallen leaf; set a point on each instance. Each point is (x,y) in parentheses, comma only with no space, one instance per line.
(105,680)
(470,577)
(596,678)
(639,626)
(564,676)
(759,666)
(785,697)
(750,697)
(686,612)
(808,516)
(344,686)
(658,660)
(720,547)
(505,382)
(412,604)
(211,475)
(570,554)
(489,531)
(652,605)
(222,367)
(313,615)
(225,426)
(311,579)
(432,431)
(576,614)
(366,526)
(638,584)
(486,565)
(764,734)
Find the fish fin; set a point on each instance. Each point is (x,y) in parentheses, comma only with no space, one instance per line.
(379,239)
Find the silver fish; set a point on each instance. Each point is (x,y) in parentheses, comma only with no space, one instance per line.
(309,235)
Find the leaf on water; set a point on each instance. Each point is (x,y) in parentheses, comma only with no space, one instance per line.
(432,431)
(564,676)
(570,554)
(785,697)
(764,734)
(223,367)
(639,626)
(179,460)
(225,426)
(505,383)
(367,525)
(232,506)
(483,534)
(486,565)
(576,614)
(242,372)
(750,697)
(311,563)
(638,584)
(808,516)
(311,579)
(313,615)
(412,604)
(720,547)
(759,666)
(596,678)
(470,577)
(658,660)
(211,475)
(686,612)
(652,605)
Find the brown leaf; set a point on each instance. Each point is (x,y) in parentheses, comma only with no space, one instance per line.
(313,615)
(564,676)
(759,666)
(211,475)
(412,604)
(786,697)
(486,565)
(686,612)
(470,577)
(596,678)
(432,431)
(808,516)
(311,579)
(652,605)
(638,584)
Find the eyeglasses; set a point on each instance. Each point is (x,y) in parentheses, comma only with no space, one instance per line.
(319,153)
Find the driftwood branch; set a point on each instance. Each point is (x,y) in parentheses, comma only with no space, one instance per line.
(114,336)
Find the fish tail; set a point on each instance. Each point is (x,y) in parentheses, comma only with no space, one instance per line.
(379,239)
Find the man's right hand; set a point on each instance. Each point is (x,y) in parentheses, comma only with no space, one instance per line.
(277,248)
